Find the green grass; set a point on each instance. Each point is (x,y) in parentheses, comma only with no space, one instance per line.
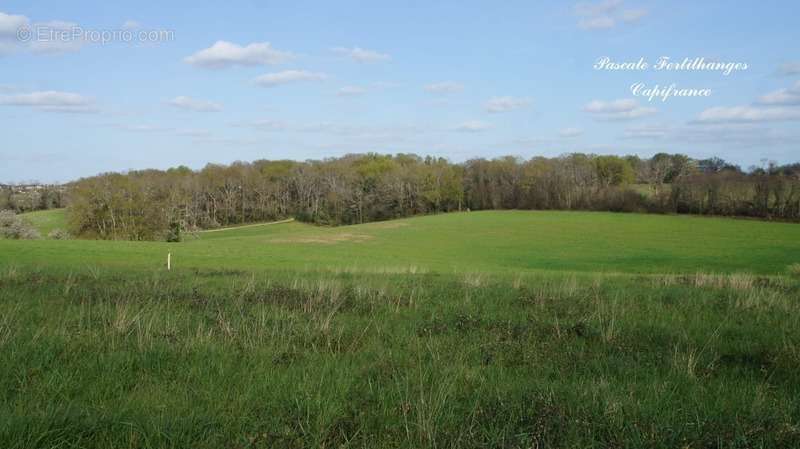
(473,330)
(216,358)
(47,220)
(492,242)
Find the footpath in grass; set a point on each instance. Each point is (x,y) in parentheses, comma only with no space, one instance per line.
(255,225)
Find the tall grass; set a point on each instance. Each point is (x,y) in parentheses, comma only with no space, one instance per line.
(209,358)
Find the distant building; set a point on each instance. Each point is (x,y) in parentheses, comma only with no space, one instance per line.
(28,188)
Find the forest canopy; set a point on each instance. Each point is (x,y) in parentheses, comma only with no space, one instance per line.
(157,204)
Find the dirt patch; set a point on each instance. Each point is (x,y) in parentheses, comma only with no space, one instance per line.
(387,225)
(325,239)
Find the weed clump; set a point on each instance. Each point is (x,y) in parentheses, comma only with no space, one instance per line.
(59,234)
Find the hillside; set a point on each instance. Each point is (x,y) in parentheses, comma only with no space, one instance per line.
(478,330)
(47,220)
(492,242)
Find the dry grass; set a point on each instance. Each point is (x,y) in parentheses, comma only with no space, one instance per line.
(317,359)
(386,225)
(409,269)
(8,325)
(11,273)
(734,281)
(737,281)
(474,280)
(325,239)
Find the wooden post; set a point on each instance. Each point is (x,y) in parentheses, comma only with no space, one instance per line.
(169,261)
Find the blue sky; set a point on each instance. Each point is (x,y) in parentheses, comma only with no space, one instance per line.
(459,79)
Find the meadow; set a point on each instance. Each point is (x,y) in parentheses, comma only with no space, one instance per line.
(471,330)
(46,221)
(485,242)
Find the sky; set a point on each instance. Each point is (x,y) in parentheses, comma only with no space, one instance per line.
(90,87)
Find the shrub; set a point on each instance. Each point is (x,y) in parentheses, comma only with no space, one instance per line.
(13,227)
(7,218)
(59,234)
(174,232)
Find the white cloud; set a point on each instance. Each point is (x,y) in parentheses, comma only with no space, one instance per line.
(789,96)
(52,37)
(46,37)
(472,126)
(51,101)
(597,23)
(727,135)
(505,104)
(57,36)
(351,91)
(10,24)
(618,109)
(606,14)
(605,107)
(193,104)
(570,132)
(226,54)
(776,106)
(361,55)
(288,76)
(597,8)
(745,114)
(723,135)
(444,87)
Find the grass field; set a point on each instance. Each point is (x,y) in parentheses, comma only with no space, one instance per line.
(491,242)
(47,220)
(472,330)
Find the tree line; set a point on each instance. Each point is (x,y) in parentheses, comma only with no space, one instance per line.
(31,197)
(156,204)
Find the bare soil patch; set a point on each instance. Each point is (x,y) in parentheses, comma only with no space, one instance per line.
(325,239)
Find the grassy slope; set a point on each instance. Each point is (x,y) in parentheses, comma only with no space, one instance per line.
(47,220)
(241,347)
(493,242)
